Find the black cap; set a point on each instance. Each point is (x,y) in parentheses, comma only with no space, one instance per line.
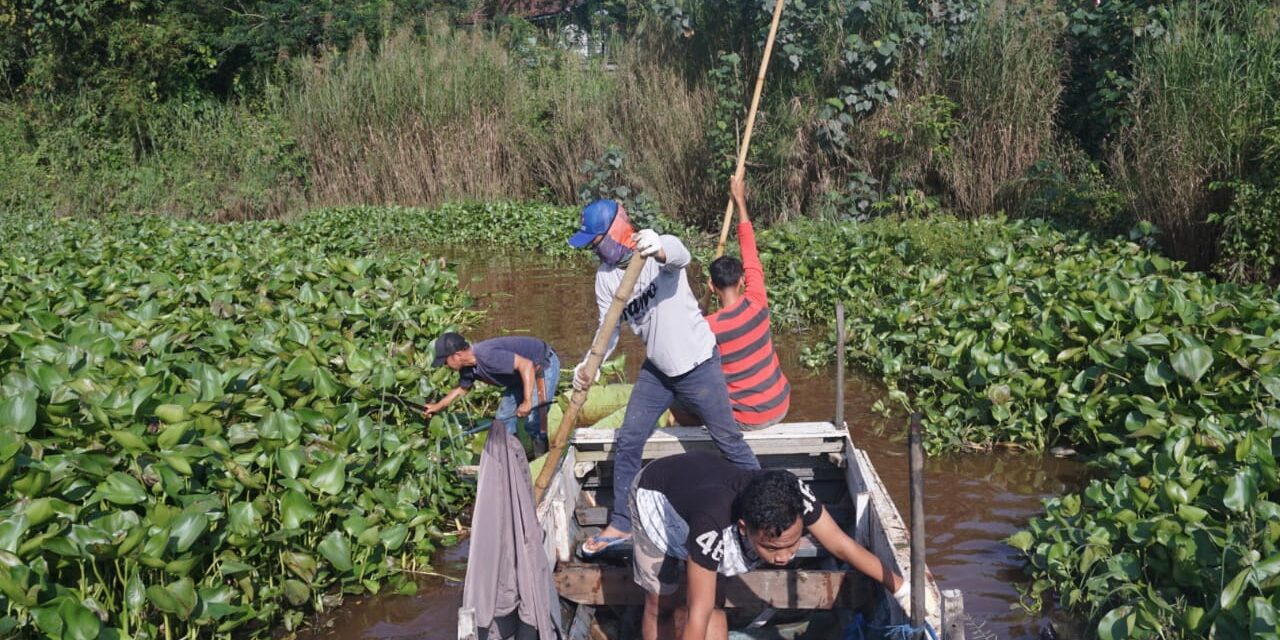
(446,345)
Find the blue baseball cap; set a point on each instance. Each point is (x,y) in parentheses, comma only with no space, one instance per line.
(597,217)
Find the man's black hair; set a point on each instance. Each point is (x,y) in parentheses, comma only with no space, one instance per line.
(771,503)
(726,271)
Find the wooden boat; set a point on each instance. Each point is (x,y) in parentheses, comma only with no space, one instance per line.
(600,600)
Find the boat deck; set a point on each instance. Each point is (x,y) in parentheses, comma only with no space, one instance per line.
(601,601)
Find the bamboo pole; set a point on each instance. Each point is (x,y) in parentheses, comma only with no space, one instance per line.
(594,360)
(741,169)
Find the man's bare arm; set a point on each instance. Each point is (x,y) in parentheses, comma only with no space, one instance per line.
(701,598)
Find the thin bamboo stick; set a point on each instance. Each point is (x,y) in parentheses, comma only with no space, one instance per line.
(741,169)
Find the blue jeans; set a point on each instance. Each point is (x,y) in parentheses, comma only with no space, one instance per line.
(513,396)
(704,391)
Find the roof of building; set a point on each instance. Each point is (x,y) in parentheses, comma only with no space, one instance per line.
(527,9)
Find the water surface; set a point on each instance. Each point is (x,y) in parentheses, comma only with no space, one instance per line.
(972,501)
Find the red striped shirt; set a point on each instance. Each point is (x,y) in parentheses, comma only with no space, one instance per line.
(758,390)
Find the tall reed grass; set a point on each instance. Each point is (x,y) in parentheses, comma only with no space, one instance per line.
(972,116)
(1203,95)
(456,115)
(217,161)
(1006,78)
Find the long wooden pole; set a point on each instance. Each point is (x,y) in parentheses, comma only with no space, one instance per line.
(594,360)
(751,122)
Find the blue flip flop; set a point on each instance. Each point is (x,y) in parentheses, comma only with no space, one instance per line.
(610,542)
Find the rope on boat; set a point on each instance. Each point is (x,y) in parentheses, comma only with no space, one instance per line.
(857,630)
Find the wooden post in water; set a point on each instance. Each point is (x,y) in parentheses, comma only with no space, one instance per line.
(953,617)
(467,624)
(916,461)
(840,364)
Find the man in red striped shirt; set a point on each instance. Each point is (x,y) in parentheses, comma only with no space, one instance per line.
(758,391)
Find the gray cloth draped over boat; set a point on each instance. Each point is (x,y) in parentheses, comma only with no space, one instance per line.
(507,568)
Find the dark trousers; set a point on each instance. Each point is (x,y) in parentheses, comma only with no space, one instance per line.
(702,390)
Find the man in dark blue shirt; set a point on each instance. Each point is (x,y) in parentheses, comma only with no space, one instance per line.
(526,368)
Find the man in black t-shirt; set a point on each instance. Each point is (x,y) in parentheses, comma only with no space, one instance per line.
(526,368)
(726,520)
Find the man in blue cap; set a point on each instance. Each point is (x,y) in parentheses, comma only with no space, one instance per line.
(681,359)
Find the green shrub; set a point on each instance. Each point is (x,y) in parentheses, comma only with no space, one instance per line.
(606,178)
(1249,245)
(1101,40)
(237,161)
(1071,189)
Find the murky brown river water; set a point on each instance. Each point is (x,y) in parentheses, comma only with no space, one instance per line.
(972,501)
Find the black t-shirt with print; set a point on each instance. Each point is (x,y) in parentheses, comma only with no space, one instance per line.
(701,487)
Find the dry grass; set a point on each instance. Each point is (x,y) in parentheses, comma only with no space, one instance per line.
(1006,79)
(416,123)
(965,127)
(1202,97)
(458,117)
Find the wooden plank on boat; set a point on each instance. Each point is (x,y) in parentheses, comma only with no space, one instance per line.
(783,431)
(595,584)
(592,516)
(789,438)
(808,548)
(828,492)
(862,524)
(598,516)
(890,539)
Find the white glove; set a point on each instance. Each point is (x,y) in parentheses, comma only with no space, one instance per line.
(580,377)
(903,596)
(647,242)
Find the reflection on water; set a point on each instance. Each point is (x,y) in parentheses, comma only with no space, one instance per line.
(972,501)
(430,614)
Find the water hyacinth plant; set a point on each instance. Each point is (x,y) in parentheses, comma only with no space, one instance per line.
(198,436)
(1035,337)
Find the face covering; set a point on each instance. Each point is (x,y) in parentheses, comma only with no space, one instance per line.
(611,252)
(615,247)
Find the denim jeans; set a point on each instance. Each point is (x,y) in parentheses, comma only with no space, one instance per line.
(704,391)
(513,396)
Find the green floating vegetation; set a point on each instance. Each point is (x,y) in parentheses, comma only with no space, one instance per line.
(198,428)
(535,227)
(1021,334)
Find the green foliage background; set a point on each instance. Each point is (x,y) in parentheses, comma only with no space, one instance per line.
(1136,108)
(919,121)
